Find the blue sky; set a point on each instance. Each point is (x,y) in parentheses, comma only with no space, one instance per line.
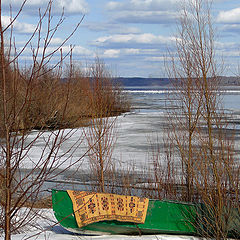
(131,36)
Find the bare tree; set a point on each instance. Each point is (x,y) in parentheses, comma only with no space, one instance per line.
(199,126)
(193,71)
(19,187)
(102,127)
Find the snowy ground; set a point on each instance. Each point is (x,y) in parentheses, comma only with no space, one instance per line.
(58,236)
(47,232)
(48,235)
(135,131)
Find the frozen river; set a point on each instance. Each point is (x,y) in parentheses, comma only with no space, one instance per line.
(135,133)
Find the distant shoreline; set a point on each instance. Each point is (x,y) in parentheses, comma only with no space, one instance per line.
(166,82)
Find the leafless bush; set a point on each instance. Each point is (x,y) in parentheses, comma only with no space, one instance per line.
(198,124)
(101,133)
(18,94)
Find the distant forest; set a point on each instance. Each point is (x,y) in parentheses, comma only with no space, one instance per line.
(139,81)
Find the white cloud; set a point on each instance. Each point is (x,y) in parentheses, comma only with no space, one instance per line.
(132,51)
(31,6)
(146,17)
(157,59)
(143,5)
(232,16)
(77,50)
(111,53)
(73,6)
(129,52)
(144,11)
(19,27)
(114,5)
(131,39)
(56,41)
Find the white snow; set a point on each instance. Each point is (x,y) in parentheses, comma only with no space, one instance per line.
(58,236)
(132,145)
(49,230)
(133,132)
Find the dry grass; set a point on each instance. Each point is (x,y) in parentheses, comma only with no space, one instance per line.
(45,202)
(47,106)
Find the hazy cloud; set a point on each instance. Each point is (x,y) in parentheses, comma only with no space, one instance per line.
(146,40)
(19,27)
(133,53)
(77,50)
(144,11)
(157,59)
(232,16)
(146,17)
(227,46)
(233,28)
(70,6)
(111,28)
(143,5)
(111,53)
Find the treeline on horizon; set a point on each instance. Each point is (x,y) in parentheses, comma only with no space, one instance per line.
(149,81)
(57,100)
